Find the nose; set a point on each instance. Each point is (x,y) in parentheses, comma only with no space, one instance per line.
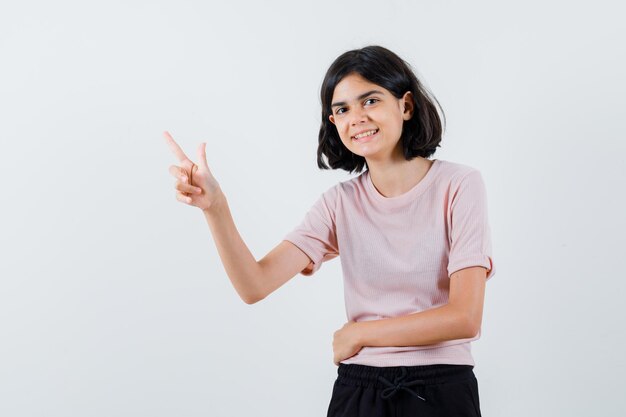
(359,116)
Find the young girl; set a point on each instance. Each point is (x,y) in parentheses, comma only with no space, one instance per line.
(412,235)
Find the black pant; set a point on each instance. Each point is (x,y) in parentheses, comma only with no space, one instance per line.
(398,391)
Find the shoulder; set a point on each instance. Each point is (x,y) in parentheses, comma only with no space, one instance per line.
(455,171)
(464,186)
(454,176)
(346,188)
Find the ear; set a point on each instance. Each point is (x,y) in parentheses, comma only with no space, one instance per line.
(332,119)
(407,103)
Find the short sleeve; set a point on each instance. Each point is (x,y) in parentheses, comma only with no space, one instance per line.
(316,235)
(469,231)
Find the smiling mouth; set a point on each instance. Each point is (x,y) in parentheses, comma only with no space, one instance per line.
(372,133)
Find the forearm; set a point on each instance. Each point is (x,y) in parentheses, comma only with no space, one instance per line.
(240,265)
(427,327)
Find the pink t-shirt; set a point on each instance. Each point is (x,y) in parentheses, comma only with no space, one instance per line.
(397,253)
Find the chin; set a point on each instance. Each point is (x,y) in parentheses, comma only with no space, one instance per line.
(367,149)
(365,154)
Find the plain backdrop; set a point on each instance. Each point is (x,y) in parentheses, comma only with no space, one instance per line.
(113,299)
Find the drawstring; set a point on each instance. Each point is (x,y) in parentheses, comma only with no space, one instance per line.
(399,384)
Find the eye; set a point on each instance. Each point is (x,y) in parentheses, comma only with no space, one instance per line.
(339,110)
(372,99)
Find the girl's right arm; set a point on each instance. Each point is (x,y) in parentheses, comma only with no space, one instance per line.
(252,280)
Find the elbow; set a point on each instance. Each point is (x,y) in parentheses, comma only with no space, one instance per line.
(467,325)
(465,320)
(473,331)
(250,295)
(251,298)
(255,293)
(248,301)
(470,327)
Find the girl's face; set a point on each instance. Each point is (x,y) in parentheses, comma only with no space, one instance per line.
(368,117)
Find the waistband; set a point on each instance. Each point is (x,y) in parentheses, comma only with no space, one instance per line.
(392,379)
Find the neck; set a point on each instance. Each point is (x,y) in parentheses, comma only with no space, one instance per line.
(395,177)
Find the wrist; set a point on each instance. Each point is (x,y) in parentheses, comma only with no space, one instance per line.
(361,333)
(217,205)
(216,216)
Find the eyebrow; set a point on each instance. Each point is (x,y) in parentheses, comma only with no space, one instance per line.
(361,97)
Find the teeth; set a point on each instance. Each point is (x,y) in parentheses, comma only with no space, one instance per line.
(371,132)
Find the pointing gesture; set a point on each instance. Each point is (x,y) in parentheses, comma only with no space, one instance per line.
(196,185)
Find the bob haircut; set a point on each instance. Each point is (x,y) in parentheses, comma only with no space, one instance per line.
(421,134)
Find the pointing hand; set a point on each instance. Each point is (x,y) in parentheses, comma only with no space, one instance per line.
(196,185)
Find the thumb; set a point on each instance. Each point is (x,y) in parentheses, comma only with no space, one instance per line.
(202,157)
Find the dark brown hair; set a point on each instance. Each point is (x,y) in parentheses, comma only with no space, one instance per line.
(421,134)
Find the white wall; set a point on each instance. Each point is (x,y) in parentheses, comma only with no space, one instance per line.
(113,300)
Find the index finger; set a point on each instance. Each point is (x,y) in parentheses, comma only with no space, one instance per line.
(174,147)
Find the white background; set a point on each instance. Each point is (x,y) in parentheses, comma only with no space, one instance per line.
(113,300)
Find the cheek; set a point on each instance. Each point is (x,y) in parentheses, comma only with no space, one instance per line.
(342,129)
(394,124)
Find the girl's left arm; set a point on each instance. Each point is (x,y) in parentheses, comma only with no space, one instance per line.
(460,318)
